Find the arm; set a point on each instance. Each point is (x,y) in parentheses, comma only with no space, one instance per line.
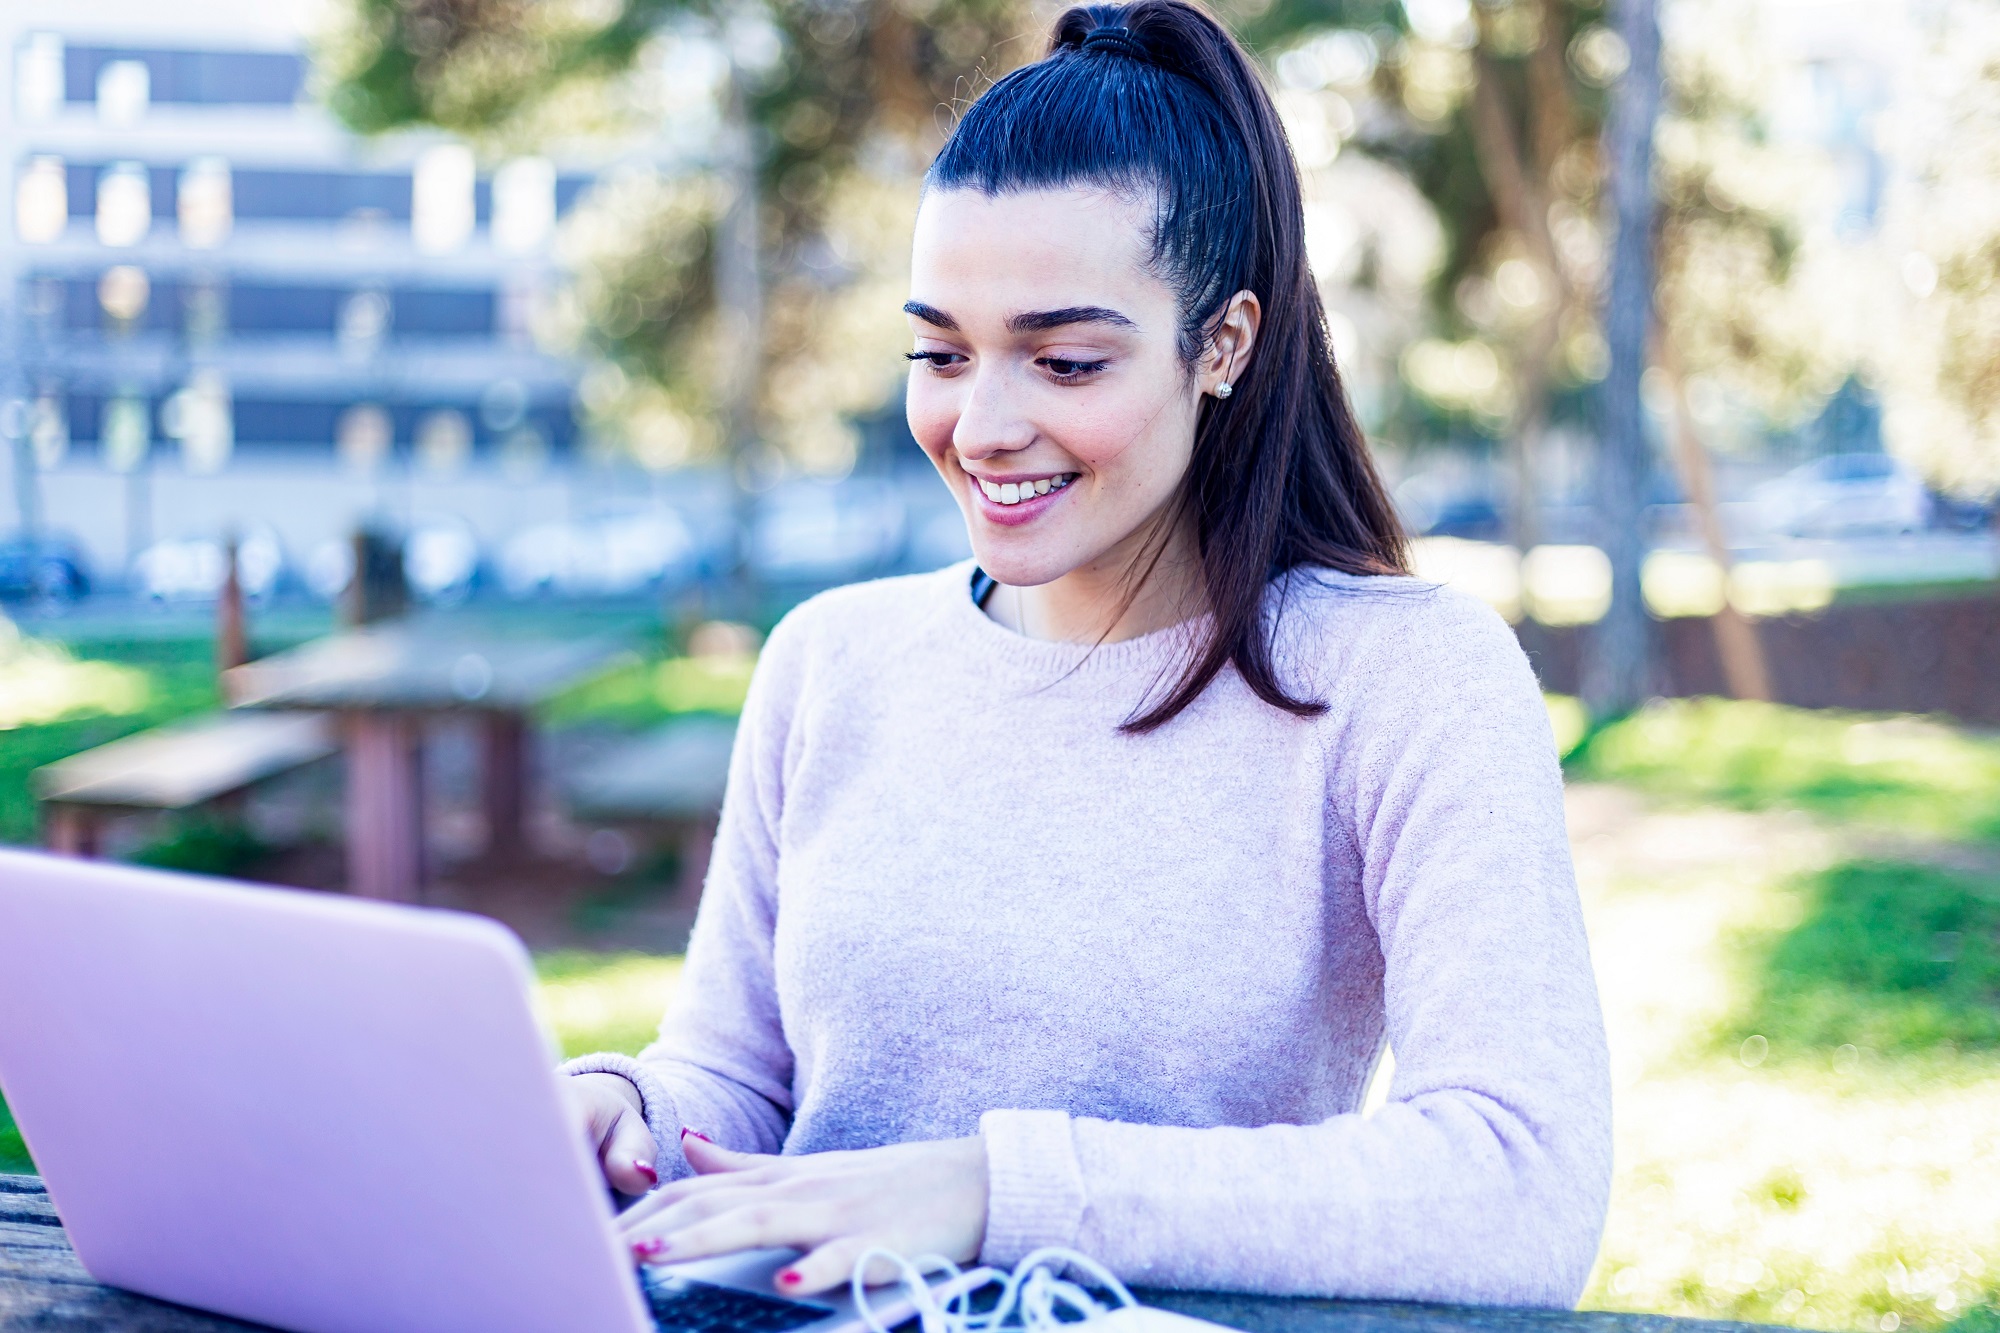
(1485,1177)
(721,1065)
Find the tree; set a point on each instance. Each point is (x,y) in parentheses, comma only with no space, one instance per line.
(1616,670)
(1941,353)
(736,297)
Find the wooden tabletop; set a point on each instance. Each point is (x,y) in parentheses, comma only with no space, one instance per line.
(185,763)
(43,1287)
(418,665)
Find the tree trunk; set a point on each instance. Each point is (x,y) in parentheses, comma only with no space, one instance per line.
(739,301)
(1617,668)
(1519,199)
(1744,669)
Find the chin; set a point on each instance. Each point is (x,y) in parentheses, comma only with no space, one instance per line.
(1019,565)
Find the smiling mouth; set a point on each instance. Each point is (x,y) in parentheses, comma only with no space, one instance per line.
(1014,492)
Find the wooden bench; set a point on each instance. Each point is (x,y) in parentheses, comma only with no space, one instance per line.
(175,767)
(670,778)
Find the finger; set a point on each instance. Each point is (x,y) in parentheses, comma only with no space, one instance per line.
(688,1187)
(710,1158)
(752,1226)
(825,1268)
(687,1211)
(628,1156)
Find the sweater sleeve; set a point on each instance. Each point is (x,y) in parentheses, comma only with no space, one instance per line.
(1484,1180)
(721,1064)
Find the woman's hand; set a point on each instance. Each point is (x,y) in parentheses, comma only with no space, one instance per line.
(912,1198)
(614,1124)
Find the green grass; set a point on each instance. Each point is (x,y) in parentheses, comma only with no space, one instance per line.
(13,1153)
(1905,775)
(203,844)
(1883,958)
(179,679)
(637,692)
(605,1002)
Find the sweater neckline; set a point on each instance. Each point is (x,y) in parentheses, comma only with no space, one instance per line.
(1153,651)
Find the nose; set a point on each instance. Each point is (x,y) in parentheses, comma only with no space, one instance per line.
(989,422)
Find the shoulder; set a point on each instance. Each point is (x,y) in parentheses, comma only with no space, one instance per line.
(859,621)
(1363,626)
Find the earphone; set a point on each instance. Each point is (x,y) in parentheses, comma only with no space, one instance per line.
(1032,1290)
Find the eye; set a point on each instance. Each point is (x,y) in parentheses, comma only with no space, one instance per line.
(1064,371)
(939,362)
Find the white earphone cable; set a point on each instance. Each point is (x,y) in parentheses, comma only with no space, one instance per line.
(1032,1289)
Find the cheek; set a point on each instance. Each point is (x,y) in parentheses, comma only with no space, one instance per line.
(1133,445)
(931,408)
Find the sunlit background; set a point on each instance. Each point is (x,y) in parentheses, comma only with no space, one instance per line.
(578,321)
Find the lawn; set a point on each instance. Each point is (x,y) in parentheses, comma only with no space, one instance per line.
(1796,921)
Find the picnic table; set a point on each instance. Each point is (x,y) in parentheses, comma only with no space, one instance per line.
(174,767)
(44,1287)
(383,682)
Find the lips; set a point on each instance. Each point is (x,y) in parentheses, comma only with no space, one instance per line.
(1017,500)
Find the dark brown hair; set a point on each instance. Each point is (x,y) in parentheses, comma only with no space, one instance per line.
(1156,98)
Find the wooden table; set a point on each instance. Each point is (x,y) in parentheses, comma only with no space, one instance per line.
(178,766)
(383,682)
(43,1287)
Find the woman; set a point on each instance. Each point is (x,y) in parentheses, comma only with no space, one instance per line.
(1071,897)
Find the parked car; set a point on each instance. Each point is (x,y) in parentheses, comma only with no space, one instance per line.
(1846,495)
(41,567)
(607,556)
(192,569)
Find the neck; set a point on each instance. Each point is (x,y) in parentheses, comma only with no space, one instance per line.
(1096,602)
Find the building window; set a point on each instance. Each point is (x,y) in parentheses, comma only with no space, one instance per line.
(124,204)
(41,201)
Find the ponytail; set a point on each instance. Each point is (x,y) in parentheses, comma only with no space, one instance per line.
(1155,96)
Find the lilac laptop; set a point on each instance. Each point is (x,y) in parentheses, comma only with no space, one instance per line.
(322,1114)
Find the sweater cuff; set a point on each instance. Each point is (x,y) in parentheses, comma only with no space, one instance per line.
(1034,1185)
(656,1103)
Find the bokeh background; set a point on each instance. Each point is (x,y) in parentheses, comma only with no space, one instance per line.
(1675,325)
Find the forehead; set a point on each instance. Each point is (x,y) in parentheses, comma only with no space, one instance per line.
(980,255)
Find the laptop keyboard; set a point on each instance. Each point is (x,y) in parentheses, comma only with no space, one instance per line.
(682,1306)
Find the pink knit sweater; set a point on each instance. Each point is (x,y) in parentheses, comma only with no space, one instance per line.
(1154,972)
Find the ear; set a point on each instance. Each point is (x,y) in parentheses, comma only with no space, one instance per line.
(1231,343)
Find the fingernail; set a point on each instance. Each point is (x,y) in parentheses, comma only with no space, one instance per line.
(650,1248)
(790,1277)
(646,1171)
(697,1134)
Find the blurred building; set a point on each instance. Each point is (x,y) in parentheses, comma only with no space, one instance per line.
(197,260)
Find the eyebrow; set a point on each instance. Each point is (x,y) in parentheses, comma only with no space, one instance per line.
(1031,321)
(1039,321)
(930,315)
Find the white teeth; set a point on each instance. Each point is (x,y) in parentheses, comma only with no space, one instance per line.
(1013,492)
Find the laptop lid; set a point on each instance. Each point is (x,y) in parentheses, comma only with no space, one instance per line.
(325,1114)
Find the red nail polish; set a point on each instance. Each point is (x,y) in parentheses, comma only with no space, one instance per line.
(697,1134)
(646,1171)
(789,1277)
(649,1247)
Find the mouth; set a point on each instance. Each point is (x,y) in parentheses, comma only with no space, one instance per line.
(1017,500)
(1011,493)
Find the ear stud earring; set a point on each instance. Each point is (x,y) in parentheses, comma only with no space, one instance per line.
(1224,389)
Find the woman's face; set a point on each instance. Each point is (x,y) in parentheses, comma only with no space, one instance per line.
(1048,387)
